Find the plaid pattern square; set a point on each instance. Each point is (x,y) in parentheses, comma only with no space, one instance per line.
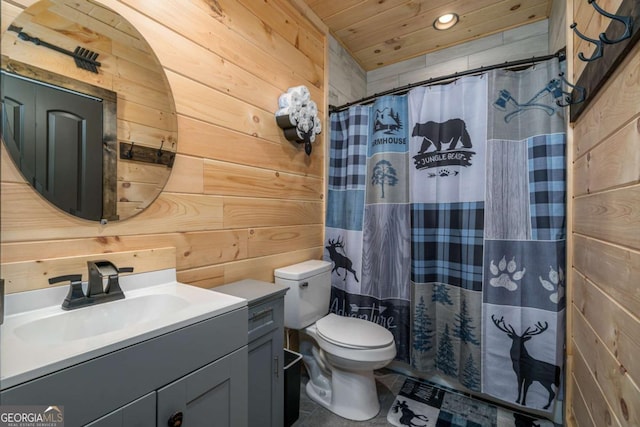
(345,209)
(447,243)
(547,186)
(348,150)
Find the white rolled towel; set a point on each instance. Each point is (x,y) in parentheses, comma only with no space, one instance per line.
(313,108)
(304,125)
(304,113)
(289,100)
(303,91)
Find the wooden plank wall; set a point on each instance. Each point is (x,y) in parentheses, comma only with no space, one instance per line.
(604,315)
(241,200)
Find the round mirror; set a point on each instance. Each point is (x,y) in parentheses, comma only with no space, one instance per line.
(87,111)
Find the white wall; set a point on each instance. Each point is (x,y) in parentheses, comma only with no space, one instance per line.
(519,43)
(558,25)
(347,80)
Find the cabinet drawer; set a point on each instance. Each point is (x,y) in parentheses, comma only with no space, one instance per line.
(265,317)
(140,413)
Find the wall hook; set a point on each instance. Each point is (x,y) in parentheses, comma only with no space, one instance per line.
(568,97)
(129,153)
(599,45)
(626,20)
(159,153)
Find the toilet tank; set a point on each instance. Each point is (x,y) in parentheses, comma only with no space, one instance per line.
(307,300)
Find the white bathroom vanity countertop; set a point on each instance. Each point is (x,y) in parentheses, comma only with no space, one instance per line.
(38,337)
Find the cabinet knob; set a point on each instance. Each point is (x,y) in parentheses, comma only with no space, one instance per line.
(175,420)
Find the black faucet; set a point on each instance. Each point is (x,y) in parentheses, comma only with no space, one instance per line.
(96,291)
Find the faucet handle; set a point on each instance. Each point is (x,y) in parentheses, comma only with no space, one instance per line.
(66,278)
(75,297)
(113,287)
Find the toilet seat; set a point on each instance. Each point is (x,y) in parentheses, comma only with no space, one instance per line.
(353,333)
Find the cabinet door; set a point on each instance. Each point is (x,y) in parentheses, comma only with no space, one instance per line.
(139,413)
(266,390)
(215,395)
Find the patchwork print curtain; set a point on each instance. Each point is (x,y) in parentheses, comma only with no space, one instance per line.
(446,225)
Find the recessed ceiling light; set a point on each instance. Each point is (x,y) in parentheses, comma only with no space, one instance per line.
(446,21)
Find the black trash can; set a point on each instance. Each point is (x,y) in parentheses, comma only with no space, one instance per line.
(292,366)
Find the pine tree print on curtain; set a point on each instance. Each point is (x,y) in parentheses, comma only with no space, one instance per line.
(447,150)
(422,328)
(445,357)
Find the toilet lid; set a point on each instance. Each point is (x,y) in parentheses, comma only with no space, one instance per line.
(352,332)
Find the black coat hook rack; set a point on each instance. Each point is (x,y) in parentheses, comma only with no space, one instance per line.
(603,39)
(626,20)
(140,153)
(595,74)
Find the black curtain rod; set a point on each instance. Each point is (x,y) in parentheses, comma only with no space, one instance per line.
(560,54)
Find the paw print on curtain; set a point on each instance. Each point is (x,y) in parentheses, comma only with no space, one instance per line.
(526,279)
(505,275)
(555,284)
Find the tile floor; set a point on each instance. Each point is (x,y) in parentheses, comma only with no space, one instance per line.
(388,384)
(314,415)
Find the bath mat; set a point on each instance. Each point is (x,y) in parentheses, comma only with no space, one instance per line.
(421,403)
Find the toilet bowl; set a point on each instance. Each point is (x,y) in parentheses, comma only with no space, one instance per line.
(340,353)
(350,389)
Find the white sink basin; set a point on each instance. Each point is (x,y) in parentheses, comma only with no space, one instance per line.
(39,337)
(88,322)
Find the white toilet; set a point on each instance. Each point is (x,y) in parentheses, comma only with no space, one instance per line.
(346,350)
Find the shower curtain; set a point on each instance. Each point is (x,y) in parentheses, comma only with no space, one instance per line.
(446,225)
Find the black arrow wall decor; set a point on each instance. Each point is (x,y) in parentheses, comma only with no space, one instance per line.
(84,58)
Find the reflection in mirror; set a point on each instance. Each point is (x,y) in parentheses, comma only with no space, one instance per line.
(56,137)
(96,140)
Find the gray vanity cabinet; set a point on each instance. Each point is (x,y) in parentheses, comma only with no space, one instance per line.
(199,370)
(266,354)
(212,395)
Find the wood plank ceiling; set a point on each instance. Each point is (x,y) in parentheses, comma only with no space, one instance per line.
(383,32)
